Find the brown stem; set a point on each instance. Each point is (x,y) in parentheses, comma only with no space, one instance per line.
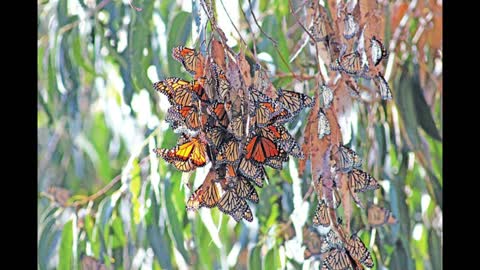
(104,190)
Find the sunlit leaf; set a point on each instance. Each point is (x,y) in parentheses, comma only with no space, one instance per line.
(66,244)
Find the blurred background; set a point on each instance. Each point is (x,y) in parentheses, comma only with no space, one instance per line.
(104,200)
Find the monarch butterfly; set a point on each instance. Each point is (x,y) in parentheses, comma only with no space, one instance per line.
(220,82)
(264,112)
(351,27)
(347,159)
(218,110)
(256,96)
(206,195)
(357,249)
(282,117)
(190,58)
(252,171)
(351,63)
(294,102)
(199,90)
(260,149)
(378,50)
(361,181)
(229,152)
(333,239)
(174,118)
(231,204)
(315,244)
(185,115)
(186,156)
(246,190)
(262,107)
(327,96)
(243,211)
(323,124)
(321,216)
(285,141)
(217,136)
(377,216)
(236,127)
(337,259)
(177,90)
(382,84)
(230,171)
(277,161)
(319,28)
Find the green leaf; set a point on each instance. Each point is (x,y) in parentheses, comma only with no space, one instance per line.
(42,119)
(174,226)
(281,8)
(135,183)
(165,10)
(202,236)
(272,26)
(179,31)
(65,252)
(159,244)
(47,243)
(254,258)
(263,5)
(423,112)
(52,81)
(93,235)
(272,259)
(140,40)
(118,231)
(99,136)
(435,250)
(405,102)
(78,53)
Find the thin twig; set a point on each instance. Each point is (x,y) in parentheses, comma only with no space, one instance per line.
(105,189)
(301,77)
(275,44)
(252,34)
(134,7)
(231,21)
(258,25)
(213,23)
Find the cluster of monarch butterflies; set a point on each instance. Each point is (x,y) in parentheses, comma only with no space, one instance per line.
(334,252)
(238,143)
(323,240)
(354,62)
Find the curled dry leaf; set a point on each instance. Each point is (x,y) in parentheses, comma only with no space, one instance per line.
(218,54)
(90,263)
(236,93)
(60,195)
(347,205)
(244,68)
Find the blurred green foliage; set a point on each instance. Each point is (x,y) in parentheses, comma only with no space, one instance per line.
(99,118)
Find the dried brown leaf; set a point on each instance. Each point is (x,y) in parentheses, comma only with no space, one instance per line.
(90,263)
(218,54)
(435,33)
(244,69)
(60,195)
(397,10)
(347,205)
(236,93)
